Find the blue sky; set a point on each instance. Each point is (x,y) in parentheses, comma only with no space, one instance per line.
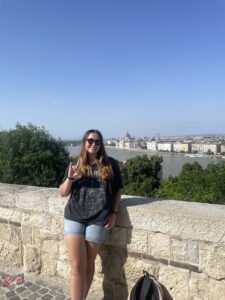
(147,66)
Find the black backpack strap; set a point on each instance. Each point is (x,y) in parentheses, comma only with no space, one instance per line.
(136,290)
(146,288)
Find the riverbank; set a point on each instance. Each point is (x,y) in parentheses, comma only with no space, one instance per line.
(147,151)
(172,162)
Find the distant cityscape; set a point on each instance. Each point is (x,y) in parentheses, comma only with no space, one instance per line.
(190,145)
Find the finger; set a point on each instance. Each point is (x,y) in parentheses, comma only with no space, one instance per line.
(106,225)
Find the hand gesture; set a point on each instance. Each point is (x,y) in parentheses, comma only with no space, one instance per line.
(72,170)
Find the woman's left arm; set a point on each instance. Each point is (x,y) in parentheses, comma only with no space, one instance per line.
(111,220)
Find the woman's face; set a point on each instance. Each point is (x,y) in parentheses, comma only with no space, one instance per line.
(93,143)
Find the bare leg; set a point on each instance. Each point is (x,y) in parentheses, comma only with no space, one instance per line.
(76,247)
(92,250)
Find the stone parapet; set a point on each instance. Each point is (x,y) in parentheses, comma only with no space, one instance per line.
(180,243)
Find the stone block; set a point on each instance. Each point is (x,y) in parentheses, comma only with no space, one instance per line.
(98,267)
(212,260)
(63,253)
(10,254)
(57,225)
(185,250)
(16,236)
(138,242)
(36,237)
(121,291)
(158,245)
(113,267)
(57,204)
(123,218)
(10,214)
(33,219)
(63,269)
(47,235)
(96,291)
(33,199)
(7,195)
(109,290)
(190,226)
(217,290)
(199,286)
(134,267)
(50,247)
(48,264)
(47,223)
(5,232)
(118,237)
(32,259)
(176,282)
(26,234)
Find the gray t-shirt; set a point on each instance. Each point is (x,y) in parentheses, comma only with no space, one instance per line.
(91,199)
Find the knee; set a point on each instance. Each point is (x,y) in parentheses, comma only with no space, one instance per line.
(77,268)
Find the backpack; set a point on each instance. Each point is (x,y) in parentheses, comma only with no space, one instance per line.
(146,288)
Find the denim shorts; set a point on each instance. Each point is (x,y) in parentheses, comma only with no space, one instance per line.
(93,232)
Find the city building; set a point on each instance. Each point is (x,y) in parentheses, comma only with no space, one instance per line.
(168,147)
(152,146)
(127,142)
(182,147)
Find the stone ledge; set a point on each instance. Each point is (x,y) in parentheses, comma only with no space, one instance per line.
(184,220)
(181,243)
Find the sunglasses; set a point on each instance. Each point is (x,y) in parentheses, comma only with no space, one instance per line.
(92,141)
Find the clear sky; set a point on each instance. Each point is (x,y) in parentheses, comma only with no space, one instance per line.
(146,66)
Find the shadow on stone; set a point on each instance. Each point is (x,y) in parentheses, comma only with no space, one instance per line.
(132,201)
(113,259)
(166,294)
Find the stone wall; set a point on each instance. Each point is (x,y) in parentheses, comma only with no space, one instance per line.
(181,243)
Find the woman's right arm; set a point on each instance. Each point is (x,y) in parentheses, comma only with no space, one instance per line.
(65,187)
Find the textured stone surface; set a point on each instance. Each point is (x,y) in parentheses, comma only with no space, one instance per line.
(212,260)
(32,259)
(217,290)
(185,250)
(175,281)
(199,287)
(180,243)
(159,245)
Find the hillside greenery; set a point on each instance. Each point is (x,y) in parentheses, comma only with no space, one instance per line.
(196,184)
(30,156)
(141,175)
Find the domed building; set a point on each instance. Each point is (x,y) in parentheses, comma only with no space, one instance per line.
(127,142)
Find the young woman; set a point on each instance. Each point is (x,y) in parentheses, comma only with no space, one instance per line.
(94,184)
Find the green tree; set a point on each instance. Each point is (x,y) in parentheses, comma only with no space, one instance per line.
(215,183)
(30,156)
(195,184)
(141,175)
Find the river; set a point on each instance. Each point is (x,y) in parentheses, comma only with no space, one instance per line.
(172,162)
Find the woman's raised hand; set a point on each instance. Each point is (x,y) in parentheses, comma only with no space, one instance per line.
(72,170)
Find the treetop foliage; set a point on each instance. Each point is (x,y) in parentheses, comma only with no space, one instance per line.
(141,175)
(30,155)
(196,184)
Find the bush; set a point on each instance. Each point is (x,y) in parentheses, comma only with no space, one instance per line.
(141,175)
(30,156)
(195,184)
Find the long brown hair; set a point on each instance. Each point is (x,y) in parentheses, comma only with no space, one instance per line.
(103,162)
